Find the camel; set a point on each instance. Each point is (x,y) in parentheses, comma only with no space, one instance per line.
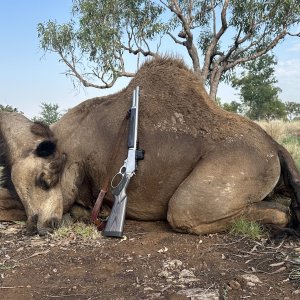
(203,168)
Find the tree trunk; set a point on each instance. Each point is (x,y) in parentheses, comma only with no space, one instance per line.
(215,77)
(213,90)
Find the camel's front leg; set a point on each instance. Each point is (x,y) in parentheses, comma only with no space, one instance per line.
(10,208)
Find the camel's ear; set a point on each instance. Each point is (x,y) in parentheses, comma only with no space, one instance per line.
(45,148)
(41,129)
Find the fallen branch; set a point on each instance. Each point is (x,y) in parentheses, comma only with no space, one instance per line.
(15,287)
(34,254)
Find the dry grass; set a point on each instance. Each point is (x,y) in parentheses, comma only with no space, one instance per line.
(287,134)
(279,129)
(293,146)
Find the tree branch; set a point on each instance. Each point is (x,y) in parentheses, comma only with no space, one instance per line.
(293,34)
(86,83)
(269,47)
(210,52)
(132,41)
(175,39)
(189,44)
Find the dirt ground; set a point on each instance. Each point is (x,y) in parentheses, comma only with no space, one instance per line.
(151,262)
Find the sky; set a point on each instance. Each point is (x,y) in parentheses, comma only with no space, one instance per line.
(28,77)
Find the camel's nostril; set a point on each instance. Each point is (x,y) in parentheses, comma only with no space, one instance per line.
(31,225)
(48,227)
(45,230)
(54,223)
(34,218)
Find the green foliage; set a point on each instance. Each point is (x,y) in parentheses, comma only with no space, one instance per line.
(98,35)
(77,230)
(96,41)
(9,108)
(258,94)
(233,106)
(291,139)
(246,228)
(49,114)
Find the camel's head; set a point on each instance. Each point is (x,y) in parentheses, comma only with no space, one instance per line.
(32,168)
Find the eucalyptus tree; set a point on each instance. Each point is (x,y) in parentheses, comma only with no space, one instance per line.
(216,35)
(258,93)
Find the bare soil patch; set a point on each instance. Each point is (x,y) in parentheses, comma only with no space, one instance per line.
(153,262)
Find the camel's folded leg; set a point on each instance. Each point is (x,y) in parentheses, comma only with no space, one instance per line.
(266,212)
(223,187)
(10,208)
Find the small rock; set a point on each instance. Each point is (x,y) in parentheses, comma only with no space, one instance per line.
(165,249)
(186,273)
(251,284)
(164,274)
(172,264)
(235,285)
(251,279)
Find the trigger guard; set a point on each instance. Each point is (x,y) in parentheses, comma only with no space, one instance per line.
(116,190)
(116,186)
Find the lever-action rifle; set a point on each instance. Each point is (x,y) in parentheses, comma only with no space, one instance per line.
(115,222)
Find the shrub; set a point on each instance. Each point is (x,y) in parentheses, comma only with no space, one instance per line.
(250,229)
(78,230)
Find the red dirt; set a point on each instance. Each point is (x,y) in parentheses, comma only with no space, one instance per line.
(152,263)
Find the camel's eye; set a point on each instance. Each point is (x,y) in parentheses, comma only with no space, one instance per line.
(42,182)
